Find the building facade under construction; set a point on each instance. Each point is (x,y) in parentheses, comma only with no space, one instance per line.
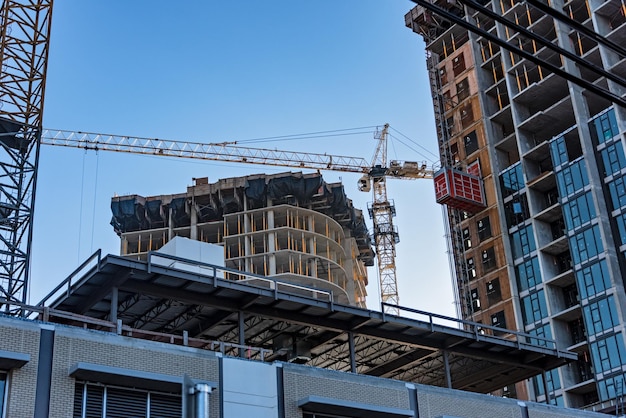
(528,102)
(291,226)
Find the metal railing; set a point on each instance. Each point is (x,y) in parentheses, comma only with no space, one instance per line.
(477,329)
(213,272)
(47,314)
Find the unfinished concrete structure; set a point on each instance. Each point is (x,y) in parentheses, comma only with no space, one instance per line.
(528,99)
(124,337)
(291,226)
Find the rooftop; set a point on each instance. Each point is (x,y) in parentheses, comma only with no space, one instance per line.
(267,320)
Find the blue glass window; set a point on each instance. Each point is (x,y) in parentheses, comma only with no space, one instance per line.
(579,211)
(523,241)
(554,382)
(534,307)
(617,189)
(613,158)
(608,388)
(558,151)
(572,178)
(528,274)
(512,180)
(593,279)
(543,331)
(608,353)
(604,127)
(600,315)
(586,244)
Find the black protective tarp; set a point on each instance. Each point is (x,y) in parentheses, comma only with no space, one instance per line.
(128,215)
(154,214)
(301,188)
(256,192)
(180,217)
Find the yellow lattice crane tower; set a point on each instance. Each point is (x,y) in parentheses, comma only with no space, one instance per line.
(382,211)
(374,177)
(24,45)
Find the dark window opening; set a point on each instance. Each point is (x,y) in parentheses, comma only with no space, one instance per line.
(471,268)
(577,330)
(462,90)
(475,300)
(488,257)
(570,295)
(484,228)
(493,291)
(516,210)
(467,239)
(443,76)
(498,320)
(470,142)
(467,116)
(458,64)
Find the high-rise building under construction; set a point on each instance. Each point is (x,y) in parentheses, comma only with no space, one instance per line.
(291,226)
(528,101)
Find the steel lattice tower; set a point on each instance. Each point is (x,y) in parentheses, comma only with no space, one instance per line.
(25,32)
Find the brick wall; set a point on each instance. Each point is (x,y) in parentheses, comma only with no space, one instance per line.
(21,337)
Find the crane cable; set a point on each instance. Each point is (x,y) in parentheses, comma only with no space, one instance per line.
(80,214)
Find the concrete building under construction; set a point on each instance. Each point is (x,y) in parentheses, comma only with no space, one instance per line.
(290,226)
(529,105)
(160,332)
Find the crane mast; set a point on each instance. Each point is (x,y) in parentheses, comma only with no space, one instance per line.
(24,45)
(382,211)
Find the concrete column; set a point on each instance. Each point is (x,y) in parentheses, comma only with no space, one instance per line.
(446,368)
(246,240)
(242,334)
(194,220)
(271,248)
(352,352)
(170,225)
(114,303)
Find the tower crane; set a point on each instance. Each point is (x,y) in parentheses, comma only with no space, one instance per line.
(24,45)
(374,178)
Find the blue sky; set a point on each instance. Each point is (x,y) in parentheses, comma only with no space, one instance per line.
(211,71)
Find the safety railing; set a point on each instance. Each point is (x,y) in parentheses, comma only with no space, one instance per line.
(215,272)
(477,329)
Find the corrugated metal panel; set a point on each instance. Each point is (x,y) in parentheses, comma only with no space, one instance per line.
(123,403)
(165,406)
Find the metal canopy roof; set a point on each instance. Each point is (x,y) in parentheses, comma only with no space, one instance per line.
(167,300)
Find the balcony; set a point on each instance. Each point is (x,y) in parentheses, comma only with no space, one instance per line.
(551,121)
